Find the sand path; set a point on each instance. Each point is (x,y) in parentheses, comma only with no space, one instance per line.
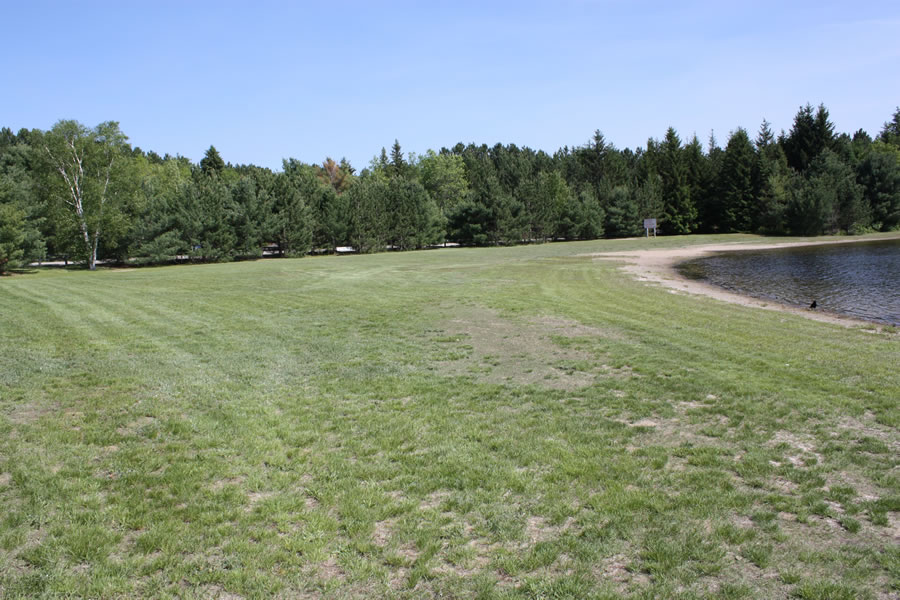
(659,266)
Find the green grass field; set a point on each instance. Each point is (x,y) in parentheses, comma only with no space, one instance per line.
(477,423)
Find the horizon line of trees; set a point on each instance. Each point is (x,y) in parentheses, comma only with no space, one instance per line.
(86,194)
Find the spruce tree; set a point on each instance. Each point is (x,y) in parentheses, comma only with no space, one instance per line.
(695,167)
(622,213)
(367,201)
(770,175)
(736,183)
(291,222)
(709,206)
(879,175)
(890,133)
(809,137)
(212,163)
(249,208)
(397,165)
(679,213)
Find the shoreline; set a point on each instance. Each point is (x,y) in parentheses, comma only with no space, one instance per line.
(659,266)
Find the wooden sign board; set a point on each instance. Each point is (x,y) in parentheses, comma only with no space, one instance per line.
(648,225)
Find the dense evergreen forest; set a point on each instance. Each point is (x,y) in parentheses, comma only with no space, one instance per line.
(87,195)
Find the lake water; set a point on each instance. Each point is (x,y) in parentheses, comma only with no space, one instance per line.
(860,279)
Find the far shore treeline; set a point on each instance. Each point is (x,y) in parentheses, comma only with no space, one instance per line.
(85,194)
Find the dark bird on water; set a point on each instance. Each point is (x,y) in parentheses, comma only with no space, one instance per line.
(813,305)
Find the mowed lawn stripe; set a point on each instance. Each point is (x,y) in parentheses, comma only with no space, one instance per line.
(364,427)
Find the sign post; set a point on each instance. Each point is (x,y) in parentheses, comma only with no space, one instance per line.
(648,225)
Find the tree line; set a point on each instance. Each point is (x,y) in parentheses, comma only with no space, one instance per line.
(87,195)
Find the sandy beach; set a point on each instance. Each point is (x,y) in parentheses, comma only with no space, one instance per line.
(658,266)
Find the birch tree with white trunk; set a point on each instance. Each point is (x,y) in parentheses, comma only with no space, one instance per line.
(87,165)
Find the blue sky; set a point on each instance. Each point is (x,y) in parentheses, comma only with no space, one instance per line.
(263,81)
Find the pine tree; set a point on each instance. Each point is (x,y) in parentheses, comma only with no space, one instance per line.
(12,236)
(596,163)
(622,213)
(828,200)
(367,201)
(157,236)
(679,213)
(736,183)
(414,220)
(544,200)
(397,165)
(809,137)
(861,144)
(21,240)
(809,206)
(799,145)
(709,205)
(582,217)
(247,216)
(695,167)
(879,175)
(204,210)
(470,223)
(890,133)
(212,163)
(850,212)
(648,197)
(291,223)
(770,175)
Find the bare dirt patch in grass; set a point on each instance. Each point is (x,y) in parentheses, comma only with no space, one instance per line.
(126,545)
(667,433)
(555,325)
(10,561)
(106,451)
(254,498)
(396,495)
(330,570)
(220,484)
(892,530)
(538,529)
(783,486)
(866,427)
(492,349)
(865,489)
(825,533)
(434,500)
(11,565)
(616,569)
(399,577)
(741,521)
(216,592)
(803,446)
(473,556)
(28,413)
(820,539)
(383,532)
(136,426)
(409,552)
